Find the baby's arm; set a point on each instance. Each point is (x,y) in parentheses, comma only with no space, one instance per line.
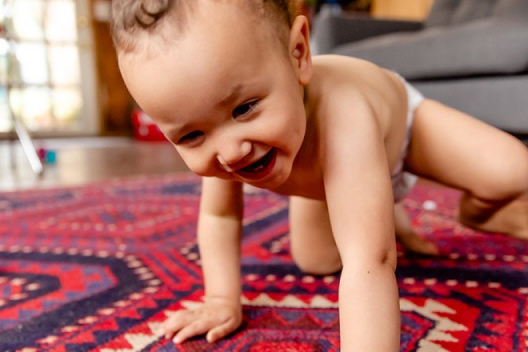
(359,197)
(219,236)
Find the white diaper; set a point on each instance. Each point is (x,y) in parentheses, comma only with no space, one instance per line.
(402,181)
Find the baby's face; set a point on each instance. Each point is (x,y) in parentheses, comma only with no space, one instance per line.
(226,94)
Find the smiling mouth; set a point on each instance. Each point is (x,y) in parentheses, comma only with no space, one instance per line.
(259,168)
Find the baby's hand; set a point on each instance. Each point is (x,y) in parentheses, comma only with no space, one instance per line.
(217,317)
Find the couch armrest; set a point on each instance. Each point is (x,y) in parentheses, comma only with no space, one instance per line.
(331,30)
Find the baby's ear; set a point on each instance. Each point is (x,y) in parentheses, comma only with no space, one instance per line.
(299,49)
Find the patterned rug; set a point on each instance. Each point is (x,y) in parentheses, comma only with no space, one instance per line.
(98,268)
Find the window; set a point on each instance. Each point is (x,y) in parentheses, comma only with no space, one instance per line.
(47,73)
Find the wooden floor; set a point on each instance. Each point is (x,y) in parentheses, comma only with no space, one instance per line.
(86,160)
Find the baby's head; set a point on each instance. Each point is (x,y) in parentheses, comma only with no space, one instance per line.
(136,21)
(223,79)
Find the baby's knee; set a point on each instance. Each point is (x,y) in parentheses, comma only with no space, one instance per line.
(318,264)
(516,173)
(508,179)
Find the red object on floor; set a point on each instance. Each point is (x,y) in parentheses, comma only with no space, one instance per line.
(100,267)
(145,129)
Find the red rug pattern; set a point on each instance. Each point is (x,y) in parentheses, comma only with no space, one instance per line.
(98,268)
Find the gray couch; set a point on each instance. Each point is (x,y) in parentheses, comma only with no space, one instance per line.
(469,54)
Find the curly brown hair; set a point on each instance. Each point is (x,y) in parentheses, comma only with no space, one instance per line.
(133,18)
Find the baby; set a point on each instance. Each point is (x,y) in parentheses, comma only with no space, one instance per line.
(233,86)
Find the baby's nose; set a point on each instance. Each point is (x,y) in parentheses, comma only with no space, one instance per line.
(231,153)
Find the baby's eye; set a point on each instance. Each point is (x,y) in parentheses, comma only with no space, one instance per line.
(244,109)
(191,137)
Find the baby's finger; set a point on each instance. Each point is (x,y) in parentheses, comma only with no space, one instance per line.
(221,331)
(198,327)
(175,323)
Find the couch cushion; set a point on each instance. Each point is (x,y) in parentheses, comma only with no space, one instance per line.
(441,12)
(511,9)
(486,47)
(449,12)
(471,10)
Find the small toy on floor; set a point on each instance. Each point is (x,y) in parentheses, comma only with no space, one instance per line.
(49,156)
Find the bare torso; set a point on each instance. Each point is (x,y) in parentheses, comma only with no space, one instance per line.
(380,89)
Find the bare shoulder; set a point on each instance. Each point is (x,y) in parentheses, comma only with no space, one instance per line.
(352,110)
(346,64)
(343,96)
(356,91)
(366,79)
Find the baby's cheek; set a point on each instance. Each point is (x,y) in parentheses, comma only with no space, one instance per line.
(198,169)
(200,165)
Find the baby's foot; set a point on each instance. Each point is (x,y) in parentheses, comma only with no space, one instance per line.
(416,244)
(511,220)
(406,235)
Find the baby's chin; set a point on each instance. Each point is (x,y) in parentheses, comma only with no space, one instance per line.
(272,183)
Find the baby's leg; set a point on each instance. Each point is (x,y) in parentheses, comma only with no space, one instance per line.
(489,165)
(313,246)
(408,237)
